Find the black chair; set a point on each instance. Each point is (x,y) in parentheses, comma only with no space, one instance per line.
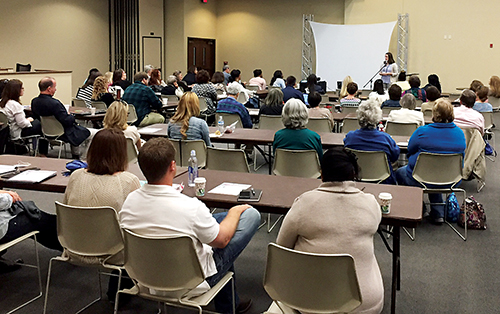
(23,67)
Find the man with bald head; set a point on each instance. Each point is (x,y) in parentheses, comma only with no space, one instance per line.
(45,105)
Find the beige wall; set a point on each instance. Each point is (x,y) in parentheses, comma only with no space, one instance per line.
(57,35)
(458,60)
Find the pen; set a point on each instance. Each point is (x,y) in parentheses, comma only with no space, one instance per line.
(253,191)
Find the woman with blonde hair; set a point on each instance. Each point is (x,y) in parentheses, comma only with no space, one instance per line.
(100,92)
(184,124)
(116,118)
(495,86)
(343,90)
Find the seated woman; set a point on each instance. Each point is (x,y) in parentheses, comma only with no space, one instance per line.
(273,104)
(343,89)
(185,125)
(415,90)
(442,137)
(344,222)
(432,94)
(204,89)
(116,118)
(394,97)
(155,81)
(20,126)
(312,84)
(295,135)
(402,82)
(315,111)
(433,80)
(407,113)
(120,80)
(350,100)
(85,92)
(172,87)
(369,138)
(378,93)
(494,87)
(277,80)
(482,104)
(100,91)
(218,82)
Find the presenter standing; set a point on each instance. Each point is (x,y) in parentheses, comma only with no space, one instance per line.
(390,71)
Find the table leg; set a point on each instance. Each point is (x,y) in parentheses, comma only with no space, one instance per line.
(270,159)
(396,271)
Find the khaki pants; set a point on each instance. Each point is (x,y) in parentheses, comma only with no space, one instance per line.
(152,118)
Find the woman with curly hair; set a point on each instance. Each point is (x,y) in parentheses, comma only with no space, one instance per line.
(100,91)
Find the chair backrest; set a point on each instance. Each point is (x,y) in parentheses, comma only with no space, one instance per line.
(131,150)
(23,67)
(419,103)
(320,125)
(99,105)
(399,128)
(494,102)
(89,231)
(219,92)
(438,169)
(350,124)
(296,163)
(161,263)
(348,109)
(253,87)
(51,127)
(227,160)
(203,104)
(325,99)
(229,118)
(388,110)
(170,97)
(364,92)
(177,146)
(428,113)
(201,151)
(132,114)
(4,120)
(309,282)
(374,166)
(241,98)
(79,103)
(270,122)
(488,120)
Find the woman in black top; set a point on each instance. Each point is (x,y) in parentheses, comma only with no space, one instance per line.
(120,79)
(273,104)
(312,84)
(100,92)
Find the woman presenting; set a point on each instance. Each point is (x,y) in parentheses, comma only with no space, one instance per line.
(390,71)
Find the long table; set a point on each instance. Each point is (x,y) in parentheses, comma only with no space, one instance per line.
(280,192)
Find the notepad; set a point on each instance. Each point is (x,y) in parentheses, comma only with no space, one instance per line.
(6,168)
(227,188)
(33,176)
(150,130)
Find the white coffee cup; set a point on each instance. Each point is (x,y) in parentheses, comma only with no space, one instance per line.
(199,186)
(92,111)
(164,101)
(385,202)
(67,108)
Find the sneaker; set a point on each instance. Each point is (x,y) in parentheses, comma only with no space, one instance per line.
(244,306)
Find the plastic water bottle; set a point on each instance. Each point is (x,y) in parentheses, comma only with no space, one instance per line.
(192,168)
(221,124)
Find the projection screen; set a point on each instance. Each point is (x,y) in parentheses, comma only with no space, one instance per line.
(355,50)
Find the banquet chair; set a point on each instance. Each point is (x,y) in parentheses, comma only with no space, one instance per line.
(494,102)
(186,146)
(374,166)
(241,98)
(489,124)
(76,102)
(23,67)
(52,131)
(350,124)
(24,140)
(91,237)
(227,160)
(170,97)
(252,87)
(310,282)
(400,128)
(320,125)
(229,118)
(99,105)
(348,110)
(132,114)
(131,150)
(387,110)
(170,266)
(267,122)
(5,246)
(441,170)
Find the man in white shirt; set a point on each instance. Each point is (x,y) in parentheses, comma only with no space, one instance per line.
(465,116)
(157,209)
(407,113)
(258,80)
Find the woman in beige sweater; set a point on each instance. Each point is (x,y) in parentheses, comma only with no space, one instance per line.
(338,218)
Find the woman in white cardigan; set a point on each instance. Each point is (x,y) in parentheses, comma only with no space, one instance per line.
(338,218)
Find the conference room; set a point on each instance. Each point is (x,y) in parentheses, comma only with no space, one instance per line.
(439,272)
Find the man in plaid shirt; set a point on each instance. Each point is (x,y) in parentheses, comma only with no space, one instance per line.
(144,100)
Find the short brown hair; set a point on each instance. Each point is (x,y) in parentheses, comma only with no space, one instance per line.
(140,76)
(155,158)
(468,98)
(475,84)
(202,77)
(395,92)
(45,83)
(108,152)
(442,112)
(482,93)
(352,88)
(432,93)
(414,81)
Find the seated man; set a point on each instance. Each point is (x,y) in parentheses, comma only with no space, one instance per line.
(415,89)
(465,116)
(315,111)
(290,92)
(407,114)
(482,104)
(394,97)
(231,105)
(157,209)
(45,105)
(432,94)
(257,79)
(144,100)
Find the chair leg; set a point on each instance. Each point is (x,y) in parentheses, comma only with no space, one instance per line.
(117,294)
(464,236)
(412,235)
(269,227)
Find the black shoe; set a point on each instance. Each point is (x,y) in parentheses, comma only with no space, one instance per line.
(244,306)
(437,221)
(8,266)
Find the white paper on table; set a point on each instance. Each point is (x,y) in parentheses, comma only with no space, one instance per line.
(33,176)
(227,188)
(212,135)
(402,144)
(150,130)
(6,168)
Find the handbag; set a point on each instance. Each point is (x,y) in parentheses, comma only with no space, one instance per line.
(452,208)
(474,211)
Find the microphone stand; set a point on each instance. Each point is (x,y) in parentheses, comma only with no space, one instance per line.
(371,80)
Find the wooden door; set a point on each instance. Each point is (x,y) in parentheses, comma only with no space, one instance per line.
(201,54)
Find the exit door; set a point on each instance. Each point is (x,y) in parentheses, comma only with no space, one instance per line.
(201,54)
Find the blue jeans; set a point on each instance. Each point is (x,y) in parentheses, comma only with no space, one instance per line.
(437,210)
(224,258)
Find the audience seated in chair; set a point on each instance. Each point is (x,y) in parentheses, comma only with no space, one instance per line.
(273,104)
(85,92)
(350,100)
(116,118)
(433,80)
(407,113)
(482,104)
(100,91)
(415,89)
(432,94)
(465,116)
(394,97)
(157,209)
(315,111)
(172,87)
(290,92)
(258,80)
(344,222)
(378,93)
(120,79)
(231,105)
(203,88)
(277,80)
(369,138)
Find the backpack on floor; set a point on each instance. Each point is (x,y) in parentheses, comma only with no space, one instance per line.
(452,208)
(476,218)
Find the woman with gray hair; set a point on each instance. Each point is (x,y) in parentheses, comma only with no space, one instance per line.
(295,135)
(368,138)
(172,88)
(273,104)
(407,113)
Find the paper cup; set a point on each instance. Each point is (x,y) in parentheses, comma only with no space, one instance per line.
(92,111)
(385,202)
(199,186)
(67,108)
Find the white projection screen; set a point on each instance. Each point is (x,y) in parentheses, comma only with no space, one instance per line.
(355,50)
